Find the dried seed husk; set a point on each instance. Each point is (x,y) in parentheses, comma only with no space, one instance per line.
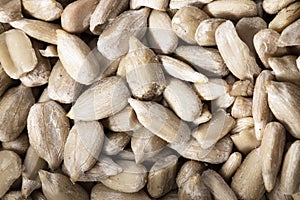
(276,193)
(162,176)
(115,142)
(48,128)
(271,148)
(76,16)
(186,21)
(177,4)
(211,90)
(290,36)
(242,124)
(189,169)
(182,99)
(49,52)
(211,132)
(272,7)
(32,164)
(283,100)
(5,81)
(16,53)
(235,52)
(285,17)
(290,177)
(104,12)
(100,191)
(160,35)
(47,10)
(103,99)
(205,60)
(10,170)
(13,195)
(58,187)
(247,27)
(19,145)
(161,121)
(132,179)
(85,68)
(144,74)
(231,9)
(14,106)
(28,185)
(82,148)
(231,165)
(181,70)
(242,107)
(242,88)
(62,87)
(222,102)
(10,10)
(145,144)
(205,33)
(247,182)
(38,29)
(112,42)
(217,186)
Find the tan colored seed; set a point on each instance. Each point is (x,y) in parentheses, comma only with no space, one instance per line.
(276,193)
(290,36)
(115,142)
(161,5)
(10,10)
(222,102)
(189,169)
(273,6)
(242,124)
(211,90)
(231,165)
(32,164)
(5,81)
(242,107)
(44,96)
(29,185)
(242,88)
(177,4)
(204,117)
(19,145)
(245,140)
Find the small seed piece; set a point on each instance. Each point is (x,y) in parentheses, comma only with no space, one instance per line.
(245,140)
(272,7)
(132,179)
(231,165)
(16,53)
(242,88)
(28,185)
(290,179)
(10,10)
(50,51)
(204,117)
(272,147)
(235,52)
(211,90)
(101,100)
(14,106)
(48,128)
(188,169)
(247,182)
(161,5)
(58,187)
(162,176)
(242,107)
(115,142)
(290,36)
(19,145)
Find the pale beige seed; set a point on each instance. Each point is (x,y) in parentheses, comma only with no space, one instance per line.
(245,140)
(77,58)
(181,70)
(272,147)
(290,36)
(273,6)
(5,81)
(242,124)
(38,29)
(82,148)
(204,117)
(100,191)
(290,179)
(58,187)
(103,99)
(276,193)
(19,145)
(144,74)
(247,27)
(177,4)
(285,17)
(231,9)
(161,36)
(194,188)
(161,5)
(247,182)
(162,176)
(10,170)
(161,121)
(266,45)
(205,33)
(115,142)
(132,179)
(47,10)
(182,99)
(14,106)
(235,52)
(48,128)
(217,186)
(16,53)
(10,10)
(189,169)
(111,42)
(283,100)
(29,185)
(242,88)
(242,107)
(50,51)
(32,164)
(104,12)
(44,96)
(211,90)
(204,60)
(231,165)
(62,87)
(76,16)
(186,21)
(210,133)
(145,144)
(222,102)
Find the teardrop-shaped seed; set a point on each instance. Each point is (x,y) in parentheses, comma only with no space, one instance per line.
(187,170)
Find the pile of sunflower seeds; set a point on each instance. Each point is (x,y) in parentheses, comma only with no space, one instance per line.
(149,99)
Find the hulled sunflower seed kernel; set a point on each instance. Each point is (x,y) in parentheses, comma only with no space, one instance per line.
(19,145)
(272,7)
(290,36)
(189,169)
(242,88)
(242,124)
(231,165)
(242,107)
(161,5)
(10,10)
(177,4)
(114,143)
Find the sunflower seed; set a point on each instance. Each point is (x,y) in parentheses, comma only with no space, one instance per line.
(245,140)
(50,51)
(272,7)
(242,124)
(5,81)
(231,165)
(115,142)
(242,107)
(290,36)
(19,145)
(242,88)
(177,4)
(276,193)
(161,5)
(222,102)
(211,90)
(32,164)
(189,169)
(204,117)
(10,10)
(28,185)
